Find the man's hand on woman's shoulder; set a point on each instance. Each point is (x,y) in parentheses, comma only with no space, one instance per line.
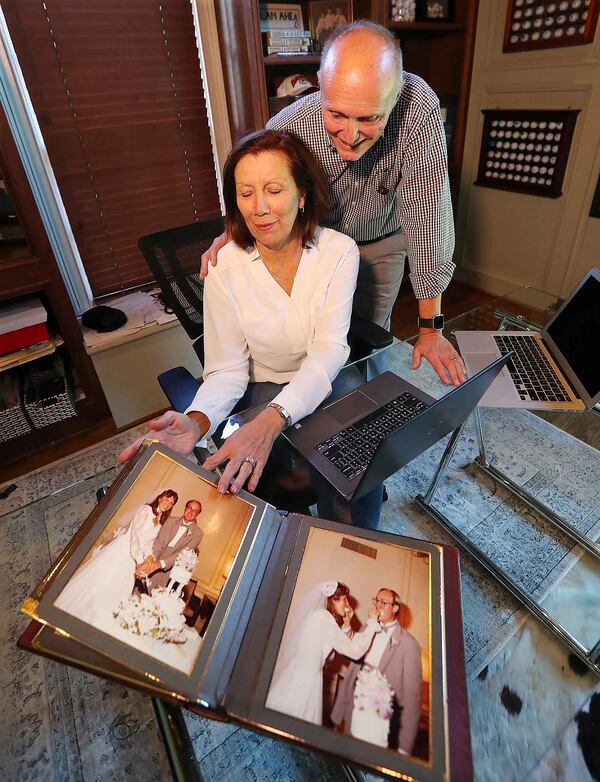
(210,256)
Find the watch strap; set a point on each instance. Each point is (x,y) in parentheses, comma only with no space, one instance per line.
(437,322)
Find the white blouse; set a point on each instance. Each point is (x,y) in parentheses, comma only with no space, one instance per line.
(254,331)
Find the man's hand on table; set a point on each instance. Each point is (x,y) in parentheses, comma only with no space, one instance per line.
(441,355)
(210,256)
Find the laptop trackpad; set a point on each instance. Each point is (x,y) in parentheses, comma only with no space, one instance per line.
(478,361)
(349,407)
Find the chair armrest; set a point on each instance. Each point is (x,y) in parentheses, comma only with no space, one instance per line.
(368,333)
(179,386)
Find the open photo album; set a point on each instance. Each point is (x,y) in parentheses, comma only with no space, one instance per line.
(345,640)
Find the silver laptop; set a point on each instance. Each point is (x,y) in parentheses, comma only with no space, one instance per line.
(555,369)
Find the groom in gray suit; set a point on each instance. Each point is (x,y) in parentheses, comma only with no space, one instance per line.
(175,535)
(397,654)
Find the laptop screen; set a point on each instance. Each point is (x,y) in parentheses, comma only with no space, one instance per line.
(575,332)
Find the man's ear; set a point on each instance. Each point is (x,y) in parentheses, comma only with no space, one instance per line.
(395,609)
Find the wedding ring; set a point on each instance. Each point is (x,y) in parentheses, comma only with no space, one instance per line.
(251,460)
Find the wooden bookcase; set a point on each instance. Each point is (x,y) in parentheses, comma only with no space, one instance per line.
(27,270)
(440,52)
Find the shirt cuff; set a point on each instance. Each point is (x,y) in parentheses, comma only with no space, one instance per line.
(162,564)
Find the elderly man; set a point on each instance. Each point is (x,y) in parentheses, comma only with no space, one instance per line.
(379,136)
(397,655)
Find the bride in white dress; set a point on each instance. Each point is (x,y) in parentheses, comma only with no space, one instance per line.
(321,624)
(108,577)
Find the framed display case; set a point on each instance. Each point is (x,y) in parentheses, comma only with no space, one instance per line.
(544,24)
(526,151)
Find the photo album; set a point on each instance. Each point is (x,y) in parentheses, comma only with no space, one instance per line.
(345,640)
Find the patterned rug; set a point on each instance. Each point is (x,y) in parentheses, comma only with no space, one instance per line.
(532,709)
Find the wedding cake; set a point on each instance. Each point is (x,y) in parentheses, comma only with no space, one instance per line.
(182,570)
(372,707)
(158,616)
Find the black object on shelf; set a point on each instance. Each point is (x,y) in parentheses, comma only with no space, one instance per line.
(104,318)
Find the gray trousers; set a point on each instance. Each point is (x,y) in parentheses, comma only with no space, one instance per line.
(379,278)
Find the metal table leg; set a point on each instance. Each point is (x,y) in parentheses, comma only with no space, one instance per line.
(176,739)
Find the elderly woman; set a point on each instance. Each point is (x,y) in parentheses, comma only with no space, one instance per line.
(276,310)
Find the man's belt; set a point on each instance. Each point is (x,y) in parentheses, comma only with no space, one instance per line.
(397,232)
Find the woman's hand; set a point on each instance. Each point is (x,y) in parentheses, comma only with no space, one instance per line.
(176,430)
(255,440)
(374,614)
(348,614)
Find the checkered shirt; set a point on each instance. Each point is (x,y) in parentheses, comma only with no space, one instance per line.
(401,182)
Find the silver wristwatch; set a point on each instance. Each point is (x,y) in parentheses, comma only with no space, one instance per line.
(282,412)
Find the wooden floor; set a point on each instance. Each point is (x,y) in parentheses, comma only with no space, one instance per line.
(458,299)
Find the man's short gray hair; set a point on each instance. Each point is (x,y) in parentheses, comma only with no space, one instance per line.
(391,43)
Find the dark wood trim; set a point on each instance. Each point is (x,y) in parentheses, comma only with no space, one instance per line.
(462,109)
(243,70)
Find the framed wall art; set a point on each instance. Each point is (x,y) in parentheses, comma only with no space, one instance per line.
(526,150)
(545,24)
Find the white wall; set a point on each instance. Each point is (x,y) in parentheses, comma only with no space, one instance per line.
(506,239)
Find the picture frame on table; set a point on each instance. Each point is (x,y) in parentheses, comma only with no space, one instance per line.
(324,17)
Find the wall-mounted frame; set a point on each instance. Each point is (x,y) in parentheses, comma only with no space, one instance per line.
(546,24)
(526,151)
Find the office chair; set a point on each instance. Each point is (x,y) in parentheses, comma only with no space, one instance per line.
(173,256)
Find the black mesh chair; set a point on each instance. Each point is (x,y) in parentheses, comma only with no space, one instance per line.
(173,256)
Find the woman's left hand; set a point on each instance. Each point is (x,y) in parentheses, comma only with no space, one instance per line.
(247,450)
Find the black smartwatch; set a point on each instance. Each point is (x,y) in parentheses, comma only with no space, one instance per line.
(437,323)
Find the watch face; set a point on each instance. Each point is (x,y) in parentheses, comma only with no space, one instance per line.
(438,322)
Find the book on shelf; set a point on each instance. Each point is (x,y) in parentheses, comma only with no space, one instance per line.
(280,593)
(22,325)
(294,49)
(277,36)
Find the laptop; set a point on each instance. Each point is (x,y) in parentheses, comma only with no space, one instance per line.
(358,441)
(555,369)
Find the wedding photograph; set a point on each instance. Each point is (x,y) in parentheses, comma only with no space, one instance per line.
(355,654)
(154,574)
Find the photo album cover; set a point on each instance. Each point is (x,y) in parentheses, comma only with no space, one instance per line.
(346,640)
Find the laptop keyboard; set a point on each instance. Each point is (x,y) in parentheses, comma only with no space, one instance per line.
(532,373)
(351,449)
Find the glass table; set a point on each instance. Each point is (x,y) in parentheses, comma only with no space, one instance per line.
(524,307)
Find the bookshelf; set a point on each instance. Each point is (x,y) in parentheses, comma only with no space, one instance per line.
(28,270)
(440,52)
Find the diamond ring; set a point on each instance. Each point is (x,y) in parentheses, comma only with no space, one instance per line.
(251,460)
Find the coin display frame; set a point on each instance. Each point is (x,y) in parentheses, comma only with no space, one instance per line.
(545,24)
(509,163)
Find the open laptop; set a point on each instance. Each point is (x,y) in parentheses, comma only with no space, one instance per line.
(555,369)
(361,439)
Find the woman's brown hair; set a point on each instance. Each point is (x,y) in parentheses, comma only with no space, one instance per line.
(156,510)
(341,591)
(306,172)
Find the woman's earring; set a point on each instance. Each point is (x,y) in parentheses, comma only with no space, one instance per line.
(301,207)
